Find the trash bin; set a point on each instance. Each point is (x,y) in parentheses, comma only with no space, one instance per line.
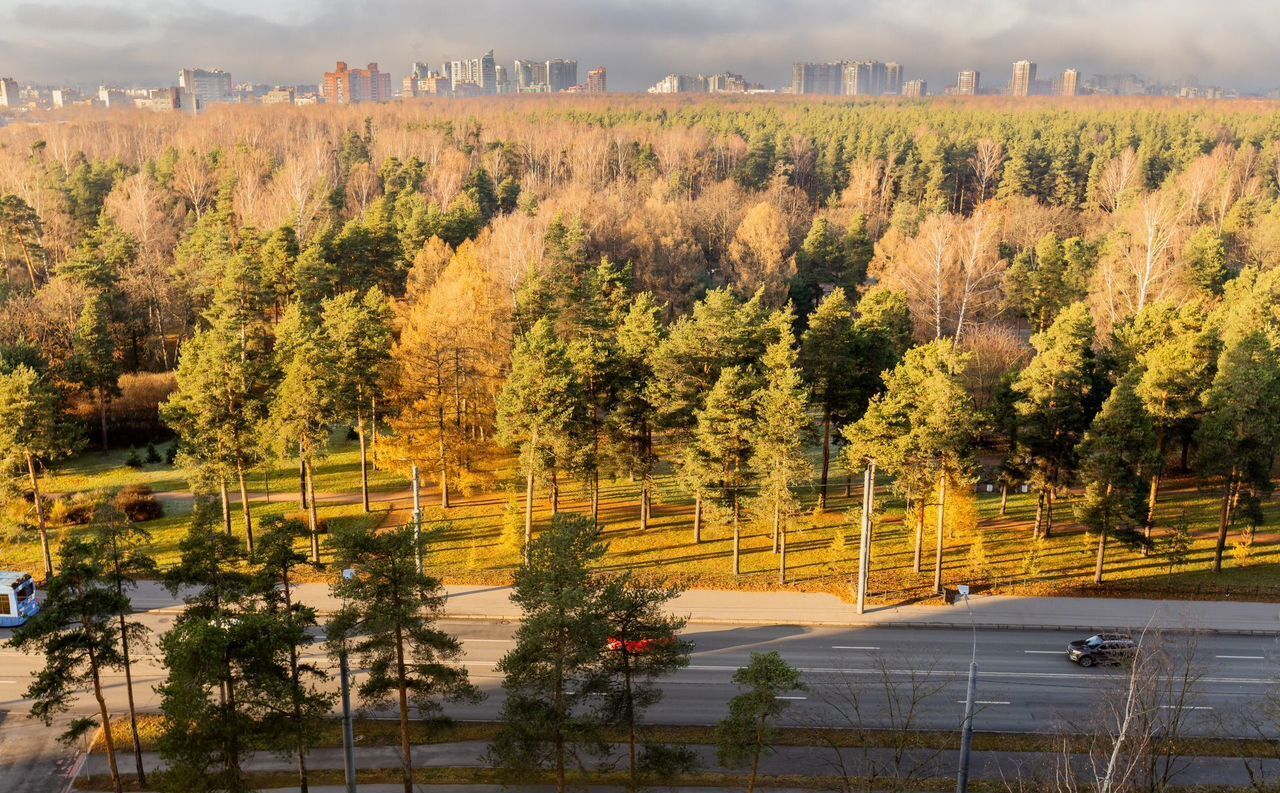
(950,596)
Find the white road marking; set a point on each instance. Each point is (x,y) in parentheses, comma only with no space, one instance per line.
(488,641)
(8,682)
(1243,657)
(1186,707)
(988,674)
(983,702)
(850,647)
(790,697)
(1044,652)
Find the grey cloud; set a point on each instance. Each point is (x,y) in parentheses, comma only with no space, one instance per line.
(77,17)
(639,42)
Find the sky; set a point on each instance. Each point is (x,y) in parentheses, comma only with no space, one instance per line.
(145,42)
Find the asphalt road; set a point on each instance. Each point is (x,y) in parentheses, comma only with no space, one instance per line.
(1025,682)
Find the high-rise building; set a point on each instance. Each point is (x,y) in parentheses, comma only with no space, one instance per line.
(209,86)
(530,76)
(344,86)
(113,97)
(501,82)
(10,96)
(726,83)
(968,82)
(1024,78)
(280,95)
(561,74)
(865,78)
(1070,83)
(680,84)
(914,89)
(488,73)
(893,78)
(597,81)
(817,78)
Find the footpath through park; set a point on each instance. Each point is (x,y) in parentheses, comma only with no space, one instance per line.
(994,612)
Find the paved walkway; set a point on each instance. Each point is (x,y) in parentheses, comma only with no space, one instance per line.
(469,601)
(808,760)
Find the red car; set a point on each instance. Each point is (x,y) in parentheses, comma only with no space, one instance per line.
(638,646)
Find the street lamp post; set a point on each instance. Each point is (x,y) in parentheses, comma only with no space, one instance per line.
(966,730)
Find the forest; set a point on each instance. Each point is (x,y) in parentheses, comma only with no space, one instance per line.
(731,312)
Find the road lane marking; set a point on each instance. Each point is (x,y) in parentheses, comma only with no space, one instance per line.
(984,702)
(8,682)
(958,673)
(1185,707)
(489,641)
(1044,652)
(1243,657)
(851,647)
(790,697)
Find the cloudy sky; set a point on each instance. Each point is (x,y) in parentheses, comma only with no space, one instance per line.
(145,42)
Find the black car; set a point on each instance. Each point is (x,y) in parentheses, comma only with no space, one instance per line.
(1105,648)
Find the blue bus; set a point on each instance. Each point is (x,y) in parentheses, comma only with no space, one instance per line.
(17,599)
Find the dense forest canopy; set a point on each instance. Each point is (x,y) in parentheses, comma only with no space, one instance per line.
(611,283)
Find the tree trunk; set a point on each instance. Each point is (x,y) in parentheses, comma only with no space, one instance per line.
(1222,526)
(128,687)
(364,461)
(595,496)
(1004,499)
(1154,494)
(755,756)
(777,530)
(444,459)
(303,781)
(313,521)
(737,537)
(1102,555)
(782,555)
(403,687)
(302,479)
(697,519)
(528,497)
(244,507)
(826,457)
(1049,496)
(555,492)
(942,514)
(40,524)
(226,503)
(919,549)
(106,723)
(102,415)
(1039,524)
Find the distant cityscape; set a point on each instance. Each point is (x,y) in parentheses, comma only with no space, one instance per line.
(198,88)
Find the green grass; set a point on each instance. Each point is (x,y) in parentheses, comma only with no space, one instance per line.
(477,539)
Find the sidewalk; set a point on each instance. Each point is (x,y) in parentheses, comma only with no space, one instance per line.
(479,602)
(782,760)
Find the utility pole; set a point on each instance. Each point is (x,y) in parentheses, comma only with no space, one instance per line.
(966,729)
(864,541)
(417,519)
(348,728)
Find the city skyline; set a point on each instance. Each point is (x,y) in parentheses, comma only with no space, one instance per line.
(290,42)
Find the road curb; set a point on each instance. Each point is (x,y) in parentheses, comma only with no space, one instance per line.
(911,624)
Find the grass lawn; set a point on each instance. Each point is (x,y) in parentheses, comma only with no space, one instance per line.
(478,539)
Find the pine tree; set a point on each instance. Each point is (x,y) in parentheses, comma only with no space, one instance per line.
(34,431)
(304,403)
(1057,400)
(832,357)
(76,630)
(389,620)
(778,436)
(1116,455)
(632,422)
(643,647)
(357,333)
(93,364)
(1240,433)
(750,727)
(723,440)
(549,676)
(539,409)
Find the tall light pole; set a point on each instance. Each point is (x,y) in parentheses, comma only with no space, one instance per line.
(966,729)
(864,541)
(348,727)
(417,519)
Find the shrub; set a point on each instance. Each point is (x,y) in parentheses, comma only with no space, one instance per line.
(153,456)
(138,503)
(134,460)
(171,453)
(75,511)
